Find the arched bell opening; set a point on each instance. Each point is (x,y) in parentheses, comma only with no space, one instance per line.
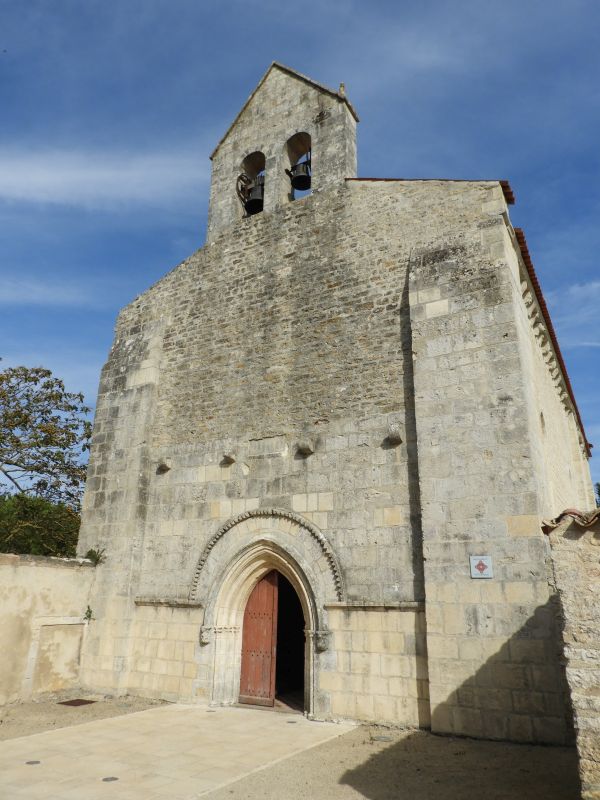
(267,583)
(298,150)
(250,184)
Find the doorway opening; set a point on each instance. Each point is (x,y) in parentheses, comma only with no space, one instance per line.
(289,661)
(273,645)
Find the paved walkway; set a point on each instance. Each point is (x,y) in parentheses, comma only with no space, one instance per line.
(167,753)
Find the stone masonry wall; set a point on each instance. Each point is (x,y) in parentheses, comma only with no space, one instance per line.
(43,602)
(281,107)
(379,672)
(576,561)
(253,356)
(164,652)
(115,503)
(237,352)
(492,644)
(300,325)
(558,456)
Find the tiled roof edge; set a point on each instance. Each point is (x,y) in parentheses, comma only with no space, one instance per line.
(585,519)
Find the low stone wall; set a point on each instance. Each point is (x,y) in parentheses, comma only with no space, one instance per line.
(43,603)
(575,543)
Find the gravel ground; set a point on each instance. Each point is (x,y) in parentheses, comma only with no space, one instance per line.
(23,719)
(380,764)
(369,762)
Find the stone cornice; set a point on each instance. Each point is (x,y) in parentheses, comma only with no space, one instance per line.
(545,335)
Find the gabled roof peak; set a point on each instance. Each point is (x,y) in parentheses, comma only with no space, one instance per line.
(340,95)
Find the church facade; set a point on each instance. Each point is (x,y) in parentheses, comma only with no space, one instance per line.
(324,445)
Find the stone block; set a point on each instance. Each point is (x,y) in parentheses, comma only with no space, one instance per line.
(454,618)
(467,722)
(329,681)
(326,501)
(519,592)
(436,308)
(385,709)
(549,730)
(528,525)
(442,718)
(343,705)
(190,670)
(365,707)
(166,649)
(520,728)
(299,502)
(529,650)
(406,687)
(442,647)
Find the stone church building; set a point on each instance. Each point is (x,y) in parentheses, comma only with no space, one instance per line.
(324,445)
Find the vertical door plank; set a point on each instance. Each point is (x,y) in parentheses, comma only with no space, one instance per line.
(259,639)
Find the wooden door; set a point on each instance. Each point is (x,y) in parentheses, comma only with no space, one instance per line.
(259,639)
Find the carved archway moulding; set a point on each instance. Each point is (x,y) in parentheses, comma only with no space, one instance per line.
(273,513)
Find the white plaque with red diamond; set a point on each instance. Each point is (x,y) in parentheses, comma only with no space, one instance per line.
(481,567)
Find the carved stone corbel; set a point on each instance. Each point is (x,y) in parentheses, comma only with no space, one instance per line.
(322,640)
(206,634)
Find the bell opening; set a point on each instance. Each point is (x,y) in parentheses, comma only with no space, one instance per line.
(300,177)
(298,149)
(255,196)
(250,185)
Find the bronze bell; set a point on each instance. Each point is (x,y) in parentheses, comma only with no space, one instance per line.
(255,196)
(300,176)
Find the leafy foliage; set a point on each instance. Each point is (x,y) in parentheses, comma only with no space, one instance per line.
(35,526)
(43,435)
(96,555)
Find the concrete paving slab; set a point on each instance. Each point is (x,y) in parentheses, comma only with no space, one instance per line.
(170,752)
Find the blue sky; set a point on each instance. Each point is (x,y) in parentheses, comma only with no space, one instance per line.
(109,111)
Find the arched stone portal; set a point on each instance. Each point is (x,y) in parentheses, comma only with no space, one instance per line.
(226,576)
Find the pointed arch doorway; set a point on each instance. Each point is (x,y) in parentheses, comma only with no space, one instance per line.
(273,645)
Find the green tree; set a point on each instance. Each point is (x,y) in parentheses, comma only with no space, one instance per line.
(44,435)
(35,526)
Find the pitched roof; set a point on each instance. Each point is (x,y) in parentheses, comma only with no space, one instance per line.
(294,74)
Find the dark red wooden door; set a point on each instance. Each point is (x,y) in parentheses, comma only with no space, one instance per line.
(259,639)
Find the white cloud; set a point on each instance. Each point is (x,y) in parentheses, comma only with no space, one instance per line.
(102,180)
(32,292)
(575,314)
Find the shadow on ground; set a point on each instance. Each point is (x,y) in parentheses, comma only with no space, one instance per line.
(382,764)
(421,766)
